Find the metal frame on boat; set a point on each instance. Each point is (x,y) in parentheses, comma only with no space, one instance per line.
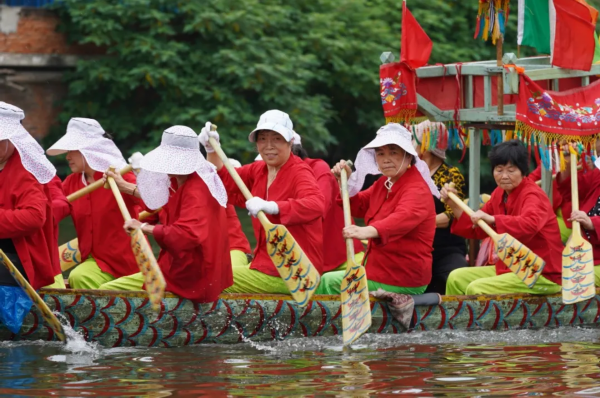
(117,319)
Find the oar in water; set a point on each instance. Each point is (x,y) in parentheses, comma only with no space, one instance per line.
(70,255)
(356,308)
(517,257)
(577,256)
(48,316)
(154,280)
(295,268)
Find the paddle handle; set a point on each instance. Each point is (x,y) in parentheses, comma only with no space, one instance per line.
(482,224)
(48,316)
(118,197)
(95,185)
(346,206)
(574,194)
(236,177)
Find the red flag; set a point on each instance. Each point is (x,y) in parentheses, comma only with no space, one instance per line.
(416,45)
(574,43)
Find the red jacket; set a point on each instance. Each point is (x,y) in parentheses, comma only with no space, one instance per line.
(237,239)
(405,221)
(334,244)
(529,218)
(588,186)
(195,256)
(26,218)
(99,225)
(558,200)
(300,202)
(60,209)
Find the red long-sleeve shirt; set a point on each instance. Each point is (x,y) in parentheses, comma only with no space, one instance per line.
(300,202)
(405,221)
(334,244)
(588,186)
(237,239)
(99,225)
(193,237)
(26,218)
(527,215)
(558,200)
(60,209)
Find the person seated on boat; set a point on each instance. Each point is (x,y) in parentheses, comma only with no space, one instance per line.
(27,235)
(60,210)
(559,204)
(194,244)
(517,207)
(399,214)
(588,215)
(105,248)
(239,247)
(449,250)
(334,245)
(285,189)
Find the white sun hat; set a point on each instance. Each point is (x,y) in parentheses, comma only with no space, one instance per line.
(392,133)
(276,121)
(32,154)
(178,154)
(87,136)
(297,139)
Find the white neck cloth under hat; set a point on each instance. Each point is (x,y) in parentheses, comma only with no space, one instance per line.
(32,155)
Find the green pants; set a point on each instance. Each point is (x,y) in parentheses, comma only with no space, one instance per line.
(130,282)
(59,283)
(238,258)
(246,280)
(88,275)
(565,232)
(597,275)
(358,258)
(483,280)
(332,281)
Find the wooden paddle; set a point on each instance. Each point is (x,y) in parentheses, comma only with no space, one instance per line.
(48,316)
(95,185)
(295,268)
(517,257)
(154,280)
(356,308)
(577,256)
(70,255)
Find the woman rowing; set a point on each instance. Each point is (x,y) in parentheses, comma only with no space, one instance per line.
(284,188)
(334,245)
(399,214)
(449,250)
(194,256)
(588,214)
(27,235)
(105,248)
(239,247)
(517,207)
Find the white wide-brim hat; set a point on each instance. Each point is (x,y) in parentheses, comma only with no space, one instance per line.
(87,136)
(32,155)
(178,154)
(274,120)
(392,133)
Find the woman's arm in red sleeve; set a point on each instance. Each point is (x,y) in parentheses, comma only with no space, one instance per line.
(60,204)
(234,194)
(308,202)
(526,225)
(28,215)
(463,226)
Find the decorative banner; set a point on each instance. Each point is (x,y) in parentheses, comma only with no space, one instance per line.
(491,19)
(547,119)
(398,92)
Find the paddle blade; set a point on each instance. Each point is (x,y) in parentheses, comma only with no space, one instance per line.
(69,255)
(299,274)
(356,308)
(519,259)
(154,280)
(577,271)
(48,316)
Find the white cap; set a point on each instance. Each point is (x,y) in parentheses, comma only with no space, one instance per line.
(297,139)
(276,121)
(393,133)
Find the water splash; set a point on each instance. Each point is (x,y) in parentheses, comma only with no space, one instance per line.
(76,343)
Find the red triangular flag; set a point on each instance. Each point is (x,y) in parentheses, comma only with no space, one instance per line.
(416,45)
(574,43)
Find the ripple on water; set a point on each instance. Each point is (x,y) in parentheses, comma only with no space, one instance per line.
(561,362)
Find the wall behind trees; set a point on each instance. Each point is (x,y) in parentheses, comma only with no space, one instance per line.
(226,61)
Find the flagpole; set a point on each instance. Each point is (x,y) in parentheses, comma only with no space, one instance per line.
(500,96)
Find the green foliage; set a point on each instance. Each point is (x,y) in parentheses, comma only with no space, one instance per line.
(191,61)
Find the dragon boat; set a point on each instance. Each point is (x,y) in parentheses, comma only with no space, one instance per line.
(119,319)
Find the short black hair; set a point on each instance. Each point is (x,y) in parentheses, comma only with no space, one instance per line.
(299,151)
(513,152)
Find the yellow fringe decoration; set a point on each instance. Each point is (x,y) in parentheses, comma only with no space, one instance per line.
(404,116)
(509,135)
(526,132)
(563,166)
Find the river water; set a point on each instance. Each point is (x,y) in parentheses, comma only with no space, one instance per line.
(561,362)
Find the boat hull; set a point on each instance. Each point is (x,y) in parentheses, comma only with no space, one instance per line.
(118,319)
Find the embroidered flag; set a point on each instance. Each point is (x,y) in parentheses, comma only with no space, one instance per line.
(534,25)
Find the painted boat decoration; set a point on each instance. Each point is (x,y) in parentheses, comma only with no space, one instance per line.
(118,319)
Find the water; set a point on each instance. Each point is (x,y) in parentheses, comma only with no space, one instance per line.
(562,362)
